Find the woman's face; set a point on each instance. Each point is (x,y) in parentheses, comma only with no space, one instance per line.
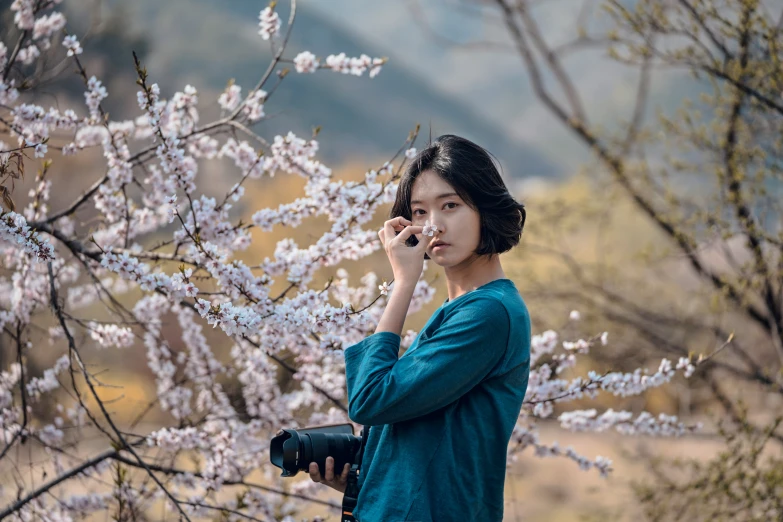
(458,225)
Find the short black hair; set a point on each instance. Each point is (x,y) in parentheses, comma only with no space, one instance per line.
(470,170)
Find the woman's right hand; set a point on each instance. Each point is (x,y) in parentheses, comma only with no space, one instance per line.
(339,482)
(407,262)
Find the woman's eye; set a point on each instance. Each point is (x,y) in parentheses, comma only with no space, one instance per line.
(449,203)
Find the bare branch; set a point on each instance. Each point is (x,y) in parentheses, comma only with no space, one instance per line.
(553,61)
(639,107)
(88,380)
(174,471)
(710,33)
(420,18)
(617,166)
(19,504)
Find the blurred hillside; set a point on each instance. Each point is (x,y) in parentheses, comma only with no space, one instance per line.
(206,43)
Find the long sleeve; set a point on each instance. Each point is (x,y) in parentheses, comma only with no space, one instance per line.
(465,347)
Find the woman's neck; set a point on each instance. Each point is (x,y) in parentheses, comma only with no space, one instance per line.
(479,274)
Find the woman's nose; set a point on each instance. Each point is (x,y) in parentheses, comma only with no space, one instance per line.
(430,219)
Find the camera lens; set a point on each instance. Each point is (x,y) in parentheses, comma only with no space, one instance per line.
(294,450)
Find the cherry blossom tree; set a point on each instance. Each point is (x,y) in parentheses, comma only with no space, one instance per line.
(53,267)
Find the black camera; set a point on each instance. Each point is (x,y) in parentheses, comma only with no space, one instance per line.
(294,450)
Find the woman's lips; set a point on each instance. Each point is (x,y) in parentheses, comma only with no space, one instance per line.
(439,247)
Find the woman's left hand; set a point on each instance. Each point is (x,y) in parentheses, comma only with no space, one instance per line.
(407,262)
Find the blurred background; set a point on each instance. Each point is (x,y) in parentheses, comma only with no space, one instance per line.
(588,245)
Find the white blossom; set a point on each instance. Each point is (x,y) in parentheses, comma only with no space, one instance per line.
(429,230)
(230,98)
(269,23)
(254,105)
(27,55)
(306,62)
(355,66)
(8,93)
(14,228)
(72,44)
(46,25)
(37,386)
(111,335)
(24,17)
(94,95)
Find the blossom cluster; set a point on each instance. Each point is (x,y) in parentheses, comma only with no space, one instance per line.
(35,124)
(254,105)
(72,44)
(95,94)
(355,66)
(48,382)
(46,25)
(14,228)
(8,379)
(8,93)
(111,335)
(230,98)
(269,23)
(645,423)
(307,62)
(527,436)
(544,391)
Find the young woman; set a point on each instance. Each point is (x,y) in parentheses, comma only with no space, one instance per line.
(442,414)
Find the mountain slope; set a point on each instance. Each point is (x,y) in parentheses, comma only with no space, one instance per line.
(360,117)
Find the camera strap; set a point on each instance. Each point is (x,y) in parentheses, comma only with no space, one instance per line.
(352,487)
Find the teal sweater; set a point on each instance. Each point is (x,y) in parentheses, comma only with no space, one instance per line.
(443,413)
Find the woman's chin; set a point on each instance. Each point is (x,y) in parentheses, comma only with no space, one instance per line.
(438,259)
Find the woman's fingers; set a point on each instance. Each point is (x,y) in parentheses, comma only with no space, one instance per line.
(391,226)
(315,475)
(399,222)
(408,231)
(329,476)
(329,469)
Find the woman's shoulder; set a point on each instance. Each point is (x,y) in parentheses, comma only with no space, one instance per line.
(492,309)
(494,299)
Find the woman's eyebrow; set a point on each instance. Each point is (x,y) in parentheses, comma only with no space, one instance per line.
(437,197)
